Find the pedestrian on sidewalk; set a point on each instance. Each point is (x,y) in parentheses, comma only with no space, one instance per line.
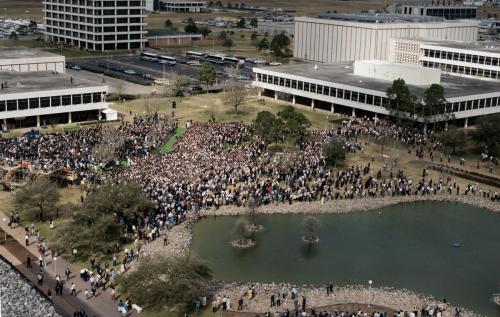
(27,239)
(73,289)
(87,294)
(49,294)
(67,272)
(28,262)
(39,278)
(40,261)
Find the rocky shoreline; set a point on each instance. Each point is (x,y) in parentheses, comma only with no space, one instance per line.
(19,297)
(180,236)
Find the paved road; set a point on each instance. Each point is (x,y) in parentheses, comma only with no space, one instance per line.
(114,84)
(101,305)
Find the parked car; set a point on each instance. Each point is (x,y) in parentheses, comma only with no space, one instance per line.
(76,67)
(129,72)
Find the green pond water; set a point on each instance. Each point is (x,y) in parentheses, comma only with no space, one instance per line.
(403,246)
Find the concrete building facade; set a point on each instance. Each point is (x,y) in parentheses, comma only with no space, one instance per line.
(477,60)
(450,10)
(19,59)
(349,37)
(183,6)
(98,25)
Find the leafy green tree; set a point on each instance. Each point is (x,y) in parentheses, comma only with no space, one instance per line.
(487,134)
(279,45)
(267,126)
(454,138)
(241,23)
(254,22)
(335,151)
(434,103)
(168,24)
(222,36)
(102,219)
(191,27)
(205,31)
(161,281)
(263,44)
(295,123)
(13,35)
(254,36)
(400,99)
(207,75)
(218,4)
(37,198)
(227,43)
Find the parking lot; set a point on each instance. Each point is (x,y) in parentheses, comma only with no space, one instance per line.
(136,69)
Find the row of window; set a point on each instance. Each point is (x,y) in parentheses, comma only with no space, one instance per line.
(108,37)
(91,12)
(462,57)
(46,102)
(470,71)
(366,98)
(88,28)
(99,4)
(76,18)
(323,90)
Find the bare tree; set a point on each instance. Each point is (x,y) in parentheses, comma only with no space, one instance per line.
(235,94)
(150,107)
(172,87)
(108,149)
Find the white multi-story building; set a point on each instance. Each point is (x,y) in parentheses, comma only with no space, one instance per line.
(450,10)
(348,37)
(342,88)
(183,5)
(479,60)
(20,59)
(43,98)
(98,25)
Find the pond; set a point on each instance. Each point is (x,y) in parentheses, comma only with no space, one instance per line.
(404,246)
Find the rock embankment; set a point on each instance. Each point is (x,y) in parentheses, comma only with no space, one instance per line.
(19,297)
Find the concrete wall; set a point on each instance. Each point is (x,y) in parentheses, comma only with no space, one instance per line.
(412,74)
(330,41)
(56,63)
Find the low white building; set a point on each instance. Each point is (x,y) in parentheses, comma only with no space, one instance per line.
(20,59)
(183,6)
(45,97)
(479,60)
(339,88)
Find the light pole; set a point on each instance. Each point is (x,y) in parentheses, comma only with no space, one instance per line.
(5,231)
(55,265)
(370,282)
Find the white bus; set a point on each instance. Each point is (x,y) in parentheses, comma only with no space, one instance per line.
(195,55)
(215,58)
(164,59)
(150,57)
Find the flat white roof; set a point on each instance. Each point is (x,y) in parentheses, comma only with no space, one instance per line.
(23,52)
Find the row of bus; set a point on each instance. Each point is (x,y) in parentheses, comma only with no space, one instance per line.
(162,59)
(215,58)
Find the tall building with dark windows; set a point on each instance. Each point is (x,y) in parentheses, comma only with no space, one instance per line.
(99,25)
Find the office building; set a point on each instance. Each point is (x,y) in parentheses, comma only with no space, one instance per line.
(183,6)
(479,60)
(360,88)
(98,25)
(43,97)
(450,10)
(347,37)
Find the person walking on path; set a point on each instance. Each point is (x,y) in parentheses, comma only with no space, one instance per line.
(28,262)
(27,239)
(67,272)
(73,289)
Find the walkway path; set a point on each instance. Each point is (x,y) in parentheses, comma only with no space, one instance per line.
(15,251)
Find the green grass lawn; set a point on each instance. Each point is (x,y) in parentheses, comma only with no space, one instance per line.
(169,145)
